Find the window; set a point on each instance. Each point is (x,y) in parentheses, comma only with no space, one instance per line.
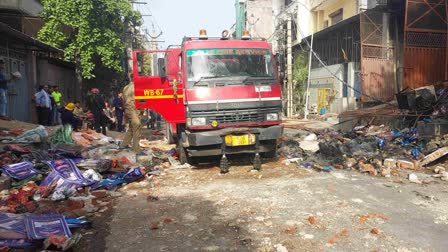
(232,64)
(336,16)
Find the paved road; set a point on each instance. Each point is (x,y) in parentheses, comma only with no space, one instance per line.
(201,210)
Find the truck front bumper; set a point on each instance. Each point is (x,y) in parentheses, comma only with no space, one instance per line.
(208,143)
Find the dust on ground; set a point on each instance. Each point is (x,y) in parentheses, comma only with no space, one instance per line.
(280,207)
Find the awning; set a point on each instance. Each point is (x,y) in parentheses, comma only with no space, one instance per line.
(336,26)
(28,40)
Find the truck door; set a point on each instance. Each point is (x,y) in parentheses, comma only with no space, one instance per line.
(156,84)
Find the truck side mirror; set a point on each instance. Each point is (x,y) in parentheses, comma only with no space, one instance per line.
(161,67)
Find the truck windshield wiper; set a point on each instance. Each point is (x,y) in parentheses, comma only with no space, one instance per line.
(207,78)
(201,79)
(255,78)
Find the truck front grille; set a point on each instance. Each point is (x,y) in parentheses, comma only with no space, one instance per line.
(236,116)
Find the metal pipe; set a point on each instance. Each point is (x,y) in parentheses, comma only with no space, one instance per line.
(309,79)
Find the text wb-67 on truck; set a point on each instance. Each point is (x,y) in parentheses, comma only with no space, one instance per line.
(219,96)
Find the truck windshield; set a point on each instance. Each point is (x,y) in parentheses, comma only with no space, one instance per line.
(228,65)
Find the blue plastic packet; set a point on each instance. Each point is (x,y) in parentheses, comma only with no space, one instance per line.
(381,142)
(77,222)
(327,168)
(415,152)
(307,165)
(396,133)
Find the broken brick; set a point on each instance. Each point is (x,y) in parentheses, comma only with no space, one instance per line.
(154,226)
(214,169)
(291,230)
(338,166)
(385,172)
(168,220)
(75,204)
(101,203)
(390,163)
(368,168)
(99,194)
(375,231)
(403,164)
(312,219)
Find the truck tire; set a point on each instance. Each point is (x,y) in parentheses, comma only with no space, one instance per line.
(182,152)
(169,135)
(273,153)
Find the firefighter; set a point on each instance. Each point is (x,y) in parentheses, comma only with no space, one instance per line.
(132,114)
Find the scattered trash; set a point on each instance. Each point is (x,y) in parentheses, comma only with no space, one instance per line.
(413,178)
(51,186)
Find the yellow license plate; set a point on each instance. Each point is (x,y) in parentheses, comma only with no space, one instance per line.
(240,140)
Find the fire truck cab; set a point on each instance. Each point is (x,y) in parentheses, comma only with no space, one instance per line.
(218,96)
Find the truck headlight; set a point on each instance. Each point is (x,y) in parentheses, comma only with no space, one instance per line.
(198,121)
(272,117)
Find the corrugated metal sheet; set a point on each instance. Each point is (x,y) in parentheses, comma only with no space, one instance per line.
(424,66)
(377,79)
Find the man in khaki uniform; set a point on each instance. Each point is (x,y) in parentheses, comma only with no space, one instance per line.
(132,114)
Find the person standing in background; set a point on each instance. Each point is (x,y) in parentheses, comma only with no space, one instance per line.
(132,113)
(3,92)
(57,96)
(96,106)
(52,107)
(43,105)
(119,110)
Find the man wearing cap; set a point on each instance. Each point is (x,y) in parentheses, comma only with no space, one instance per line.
(67,116)
(132,114)
(3,92)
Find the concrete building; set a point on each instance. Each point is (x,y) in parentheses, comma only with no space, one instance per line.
(38,63)
(371,49)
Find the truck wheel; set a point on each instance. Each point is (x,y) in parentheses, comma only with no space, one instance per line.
(183,154)
(169,134)
(272,153)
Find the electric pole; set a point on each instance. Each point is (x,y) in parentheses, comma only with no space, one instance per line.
(240,7)
(129,40)
(289,85)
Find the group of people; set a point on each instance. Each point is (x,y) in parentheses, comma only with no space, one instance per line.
(48,105)
(50,110)
(123,105)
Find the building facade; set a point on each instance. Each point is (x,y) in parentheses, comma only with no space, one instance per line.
(367,50)
(38,63)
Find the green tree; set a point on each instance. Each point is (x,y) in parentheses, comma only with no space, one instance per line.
(300,76)
(89,31)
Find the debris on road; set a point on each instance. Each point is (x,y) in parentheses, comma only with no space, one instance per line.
(375,150)
(50,179)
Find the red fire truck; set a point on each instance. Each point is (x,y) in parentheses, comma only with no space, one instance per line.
(218,96)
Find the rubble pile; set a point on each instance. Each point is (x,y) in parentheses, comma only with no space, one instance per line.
(377,150)
(51,184)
